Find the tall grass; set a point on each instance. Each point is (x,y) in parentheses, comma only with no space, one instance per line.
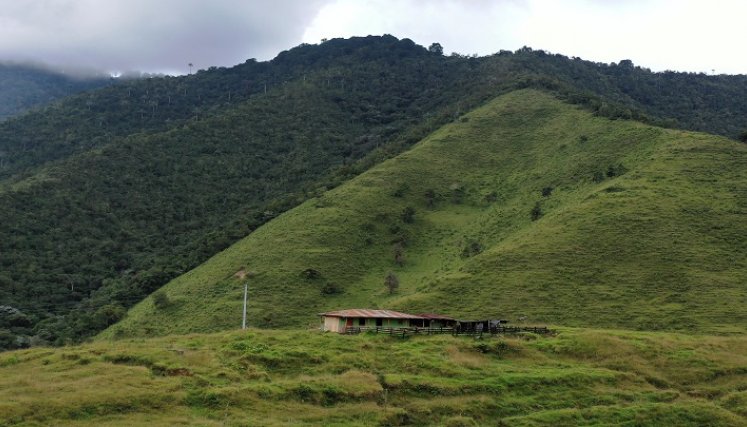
(281,378)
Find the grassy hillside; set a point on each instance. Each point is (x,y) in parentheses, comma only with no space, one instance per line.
(107,195)
(150,196)
(278,378)
(526,207)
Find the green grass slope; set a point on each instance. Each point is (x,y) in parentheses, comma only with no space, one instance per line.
(638,227)
(284,378)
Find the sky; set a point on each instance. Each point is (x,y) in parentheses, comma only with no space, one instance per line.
(166,35)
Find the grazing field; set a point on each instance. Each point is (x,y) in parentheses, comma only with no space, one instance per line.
(524,208)
(281,377)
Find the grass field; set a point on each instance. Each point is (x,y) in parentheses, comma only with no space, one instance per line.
(634,227)
(281,377)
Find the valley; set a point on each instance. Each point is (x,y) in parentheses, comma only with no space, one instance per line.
(605,202)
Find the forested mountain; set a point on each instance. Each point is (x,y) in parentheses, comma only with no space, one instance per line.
(107,220)
(109,194)
(25,86)
(525,207)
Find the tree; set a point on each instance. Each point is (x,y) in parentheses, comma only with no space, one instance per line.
(436,48)
(161,300)
(430,197)
(536,212)
(391,282)
(408,215)
(743,136)
(399,254)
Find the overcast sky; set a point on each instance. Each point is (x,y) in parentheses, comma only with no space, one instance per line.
(166,35)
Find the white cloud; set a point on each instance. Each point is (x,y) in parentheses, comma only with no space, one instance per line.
(164,35)
(465,27)
(659,34)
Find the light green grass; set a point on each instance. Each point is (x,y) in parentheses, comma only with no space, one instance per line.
(663,246)
(284,378)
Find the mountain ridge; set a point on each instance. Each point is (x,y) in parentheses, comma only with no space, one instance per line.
(109,252)
(472,188)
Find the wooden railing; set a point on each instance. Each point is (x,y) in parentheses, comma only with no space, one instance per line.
(542,330)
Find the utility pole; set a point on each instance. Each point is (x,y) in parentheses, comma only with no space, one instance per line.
(243,319)
(244,275)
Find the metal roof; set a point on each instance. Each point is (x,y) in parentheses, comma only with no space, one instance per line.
(434,316)
(368,313)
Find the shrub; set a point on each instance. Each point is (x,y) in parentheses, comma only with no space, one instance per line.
(311,274)
(402,237)
(408,215)
(391,282)
(547,191)
(457,193)
(399,254)
(331,289)
(401,190)
(491,197)
(536,212)
(430,197)
(161,300)
(473,248)
(743,136)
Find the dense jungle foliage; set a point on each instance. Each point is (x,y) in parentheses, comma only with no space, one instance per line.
(23,87)
(109,194)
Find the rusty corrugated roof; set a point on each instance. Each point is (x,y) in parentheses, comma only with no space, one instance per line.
(368,313)
(434,316)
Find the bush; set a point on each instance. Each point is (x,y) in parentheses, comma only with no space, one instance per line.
(743,136)
(473,248)
(401,190)
(391,282)
(430,197)
(311,274)
(547,191)
(399,254)
(491,197)
(161,300)
(616,170)
(536,212)
(331,289)
(457,193)
(408,215)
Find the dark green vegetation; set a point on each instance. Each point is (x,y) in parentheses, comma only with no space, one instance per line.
(291,378)
(108,195)
(110,225)
(23,87)
(643,229)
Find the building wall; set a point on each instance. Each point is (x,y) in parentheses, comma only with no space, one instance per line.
(333,324)
(338,324)
(441,323)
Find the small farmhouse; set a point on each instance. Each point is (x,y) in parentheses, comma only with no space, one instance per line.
(339,321)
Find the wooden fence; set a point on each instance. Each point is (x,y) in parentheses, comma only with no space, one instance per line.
(403,332)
